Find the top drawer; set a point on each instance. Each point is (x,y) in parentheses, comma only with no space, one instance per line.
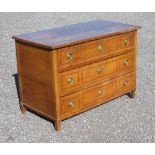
(127,40)
(84,53)
(99,49)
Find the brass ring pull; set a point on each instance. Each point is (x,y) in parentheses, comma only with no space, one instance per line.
(100,70)
(126,41)
(69,56)
(100,48)
(71,104)
(100,92)
(126,62)
(70,80)
(125,83)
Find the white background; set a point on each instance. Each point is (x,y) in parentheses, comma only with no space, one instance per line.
(77,5)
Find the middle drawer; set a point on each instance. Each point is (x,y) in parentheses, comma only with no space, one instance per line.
(73,80)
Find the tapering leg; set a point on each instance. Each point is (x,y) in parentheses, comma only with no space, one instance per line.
(132,93)
(22,107)
(57,125)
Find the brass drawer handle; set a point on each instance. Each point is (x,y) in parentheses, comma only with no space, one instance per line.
(126,41)
(100,48)
(125,83)
(126,62)
(70,80)
(100,70)
(71,104)
(69,56)
(100,93)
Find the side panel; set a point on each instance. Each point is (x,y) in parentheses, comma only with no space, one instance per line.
(35,79)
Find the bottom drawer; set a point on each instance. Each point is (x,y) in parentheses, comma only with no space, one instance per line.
(89,97)
(126,82)
(70,104)
(98,93)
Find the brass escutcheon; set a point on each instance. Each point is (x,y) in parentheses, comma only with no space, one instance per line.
(126,62)
(100,48)
(100,93)
(100,70)
(126,41)
(70,80)
(125,83)
(71,104)
(69,56)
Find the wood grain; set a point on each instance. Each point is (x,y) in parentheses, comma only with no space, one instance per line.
(75,34)
(89,74)
(35,78)
(111,89)
(89,52)
(65,71)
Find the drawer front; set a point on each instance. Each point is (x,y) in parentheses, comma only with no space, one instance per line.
(99,71)
(128,40)
(100,48)
(126,82)
(85,53)
(107,68)
(70,104)
(68,57)
(98,93)
(70,80)
(126,61)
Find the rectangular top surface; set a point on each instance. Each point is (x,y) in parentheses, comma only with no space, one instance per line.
(74,34)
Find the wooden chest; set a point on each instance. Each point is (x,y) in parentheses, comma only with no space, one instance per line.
(65,71)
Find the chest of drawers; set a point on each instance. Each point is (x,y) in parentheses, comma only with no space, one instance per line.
(65,71)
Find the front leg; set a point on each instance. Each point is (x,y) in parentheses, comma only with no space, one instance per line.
(132,93)
(22,107)
(57,125)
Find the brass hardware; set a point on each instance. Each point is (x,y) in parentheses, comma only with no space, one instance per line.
(125,83)
(69,56)
(70,81)
(100,93)
(71,104)
(126,41)
(100,48)
(126,62)
(100,70)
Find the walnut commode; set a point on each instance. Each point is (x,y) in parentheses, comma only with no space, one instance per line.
(65,71)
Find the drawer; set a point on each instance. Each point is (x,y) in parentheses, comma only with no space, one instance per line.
(99,71)
(70,80)
(99,48)
(70,104)
(76,55)
(126,82)
(126,61)
(98,93)
(68,57)
(128,40)
(84,53)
